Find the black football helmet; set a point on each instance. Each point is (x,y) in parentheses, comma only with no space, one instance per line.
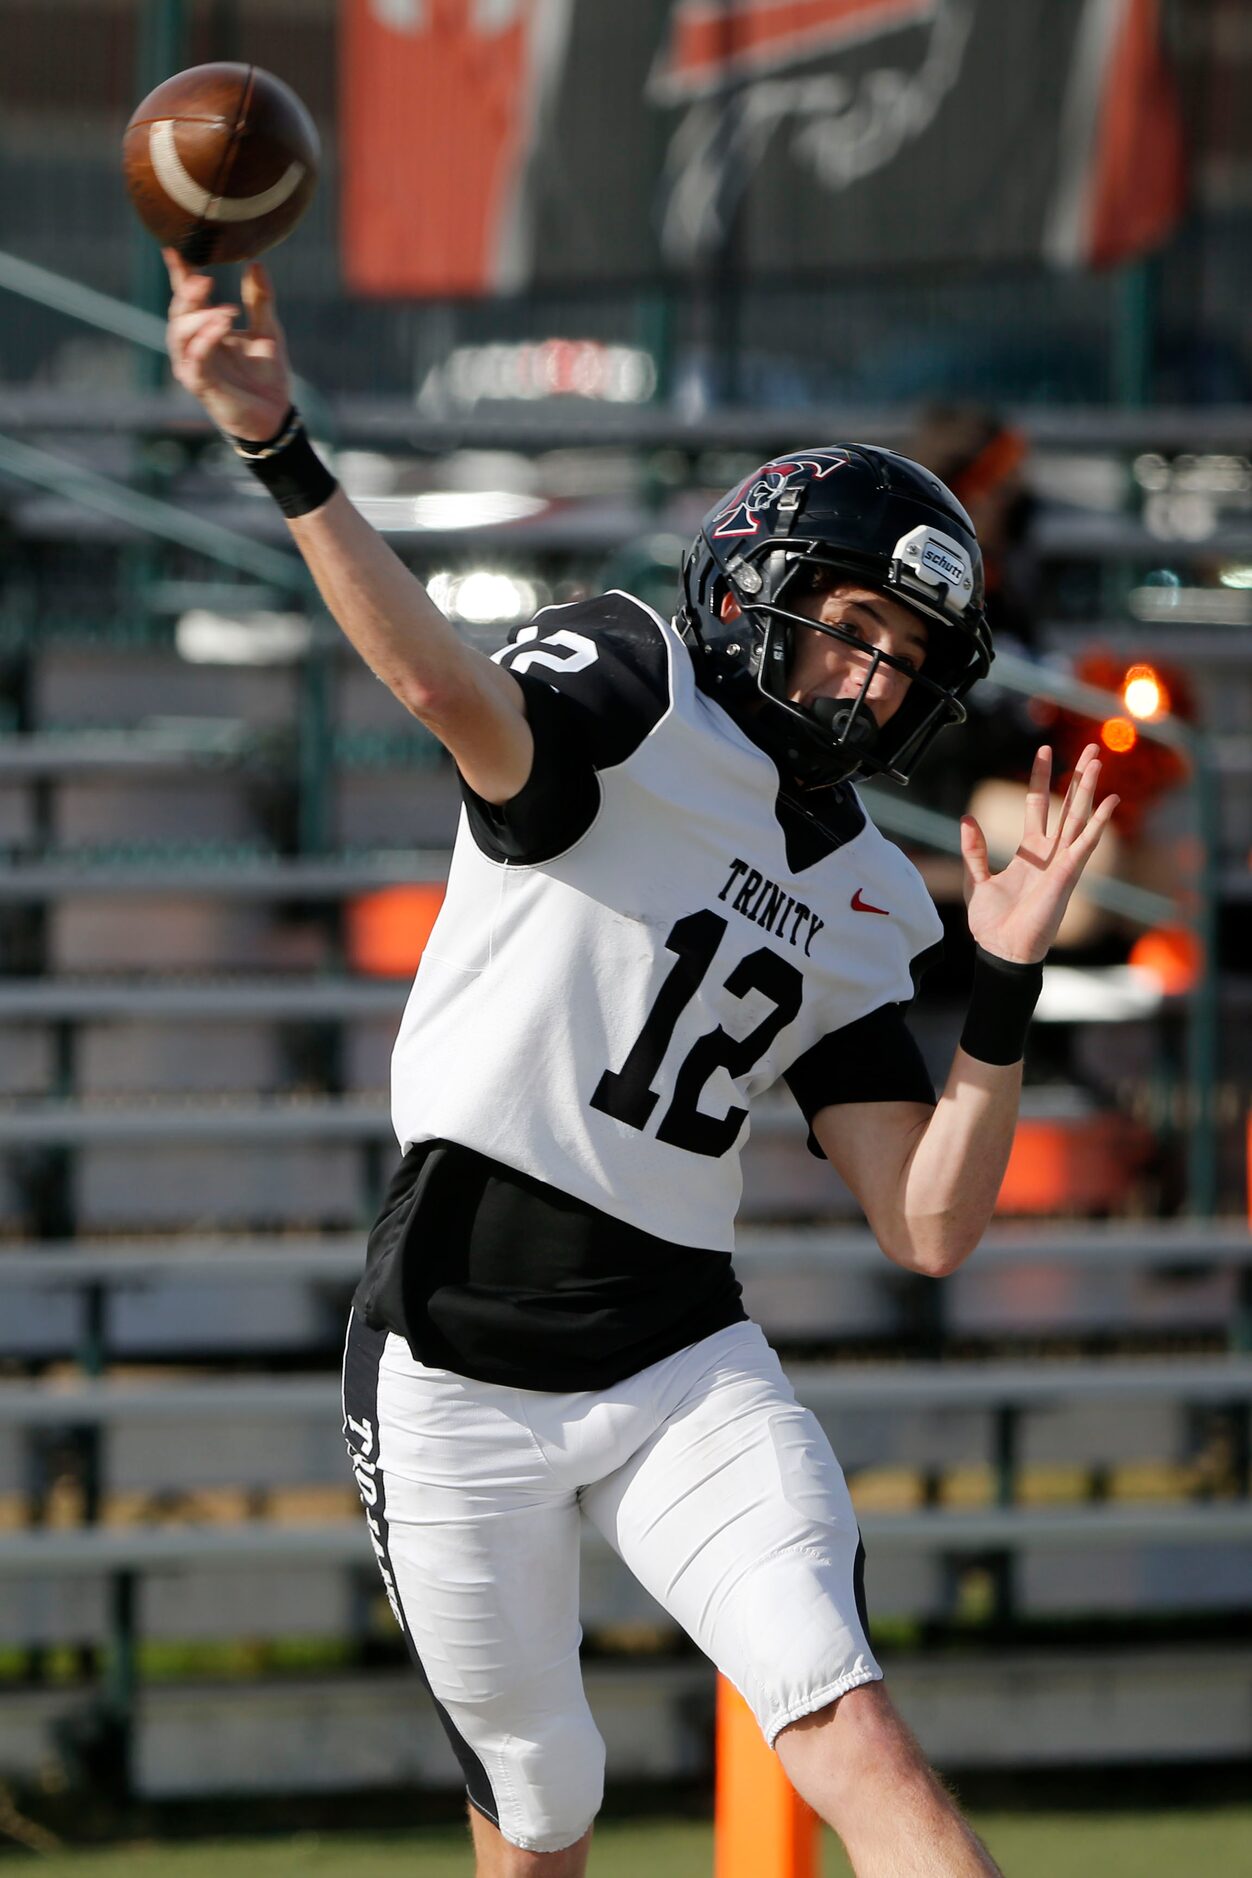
(801,522)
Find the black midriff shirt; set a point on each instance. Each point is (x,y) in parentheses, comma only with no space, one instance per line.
(600,1299)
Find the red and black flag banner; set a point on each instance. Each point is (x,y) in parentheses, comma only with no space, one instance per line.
(493,145)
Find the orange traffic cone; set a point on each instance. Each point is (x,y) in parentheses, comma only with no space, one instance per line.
(762,1828)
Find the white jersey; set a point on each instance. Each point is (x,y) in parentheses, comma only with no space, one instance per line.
(621,968)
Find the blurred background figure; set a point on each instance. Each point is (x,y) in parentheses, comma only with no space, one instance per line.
(984,460)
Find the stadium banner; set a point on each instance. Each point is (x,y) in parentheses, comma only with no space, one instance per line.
(499,145)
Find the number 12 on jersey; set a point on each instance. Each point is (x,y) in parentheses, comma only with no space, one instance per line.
(628,1094)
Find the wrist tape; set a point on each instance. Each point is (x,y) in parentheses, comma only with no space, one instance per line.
(288,466)
(1001,1005)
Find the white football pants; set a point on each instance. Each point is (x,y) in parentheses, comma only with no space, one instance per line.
(703,1472)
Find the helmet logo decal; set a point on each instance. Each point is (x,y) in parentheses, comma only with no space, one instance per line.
(760,493)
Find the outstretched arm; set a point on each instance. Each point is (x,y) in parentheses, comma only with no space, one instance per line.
(242,378)
(928,1179)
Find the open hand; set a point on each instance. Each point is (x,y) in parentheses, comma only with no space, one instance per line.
(1016,913)
(240,377)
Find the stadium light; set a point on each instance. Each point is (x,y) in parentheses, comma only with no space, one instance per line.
(1145,694)
(482,596)
(1119,735)
(449,509)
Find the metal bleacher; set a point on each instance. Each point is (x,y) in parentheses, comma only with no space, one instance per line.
(205,1510)
(1049,1451)
(204,1572)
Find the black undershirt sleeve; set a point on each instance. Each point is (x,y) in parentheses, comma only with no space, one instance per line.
(596,683)
(560,798)
(875,1059)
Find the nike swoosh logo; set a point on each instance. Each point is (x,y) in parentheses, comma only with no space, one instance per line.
(863,906)
(181,187)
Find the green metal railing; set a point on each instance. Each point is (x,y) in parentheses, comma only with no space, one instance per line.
(144,330)
(153,517)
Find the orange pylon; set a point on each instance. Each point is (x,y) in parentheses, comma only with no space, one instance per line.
(762,1828)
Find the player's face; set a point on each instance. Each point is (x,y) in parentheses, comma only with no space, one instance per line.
(823,667)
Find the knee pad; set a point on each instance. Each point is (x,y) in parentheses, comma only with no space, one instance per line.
(545,1772)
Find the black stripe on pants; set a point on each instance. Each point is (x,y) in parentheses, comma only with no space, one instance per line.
(362,1356)
(858,1587)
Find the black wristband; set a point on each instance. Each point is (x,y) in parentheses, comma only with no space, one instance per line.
(1000,1008)
(288,466)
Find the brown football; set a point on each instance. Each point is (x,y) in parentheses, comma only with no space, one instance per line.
(220,162)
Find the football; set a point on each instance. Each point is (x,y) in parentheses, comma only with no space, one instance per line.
(220,162)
